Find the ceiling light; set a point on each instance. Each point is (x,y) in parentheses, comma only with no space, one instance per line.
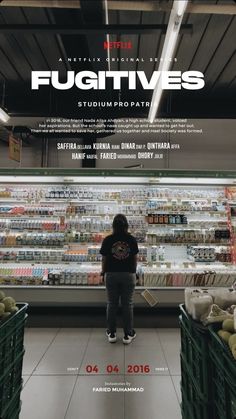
(168,50)
(4,117)
(107,35)
(180,6)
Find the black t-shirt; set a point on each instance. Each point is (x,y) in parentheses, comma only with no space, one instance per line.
(119,250)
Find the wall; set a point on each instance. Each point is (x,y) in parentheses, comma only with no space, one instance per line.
(31,156)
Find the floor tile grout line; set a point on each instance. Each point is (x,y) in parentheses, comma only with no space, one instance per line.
(124,400)
(124,382)
(142,375)
(162,348)
(57,333)
(179,401)
(24,384)
(168,366)
(77,376)
(58,329)
(86,348)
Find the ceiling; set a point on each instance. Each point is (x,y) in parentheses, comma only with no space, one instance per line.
(209,47)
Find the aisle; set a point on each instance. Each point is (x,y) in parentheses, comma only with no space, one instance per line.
(58,383)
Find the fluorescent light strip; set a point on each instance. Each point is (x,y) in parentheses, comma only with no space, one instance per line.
(168,50)
(180,6)
(197,181)
(4,117)
(107,36)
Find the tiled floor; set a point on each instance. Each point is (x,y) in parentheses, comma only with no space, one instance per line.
(64,369)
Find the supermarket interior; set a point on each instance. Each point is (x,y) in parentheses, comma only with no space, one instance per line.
(52,224)
(62,181)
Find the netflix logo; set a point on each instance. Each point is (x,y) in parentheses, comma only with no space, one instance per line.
(117,45)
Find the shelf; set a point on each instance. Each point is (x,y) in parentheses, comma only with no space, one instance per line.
(168,225)
(161,266)
(79,201)
(205,244)
(26,217)
(47,295)
(107,215)
(32,246)
(41,262)
(175,251)
(65,246)
(24,232)
(26,249)
(68,216)
(114,201)
(184,212)
(188,227)
(25,200)
(148,211)
(47,247)
(186,199)
(185,261)
(188,266)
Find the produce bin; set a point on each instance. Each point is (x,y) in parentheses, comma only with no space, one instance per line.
(195,353)
(223,376)
(194,405)
(11,360)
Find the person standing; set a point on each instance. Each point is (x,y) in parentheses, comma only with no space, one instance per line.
(119,262)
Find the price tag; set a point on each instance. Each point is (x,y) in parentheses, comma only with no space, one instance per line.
(187,265)
(166,265)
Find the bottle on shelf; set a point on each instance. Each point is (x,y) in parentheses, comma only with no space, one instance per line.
(161,253)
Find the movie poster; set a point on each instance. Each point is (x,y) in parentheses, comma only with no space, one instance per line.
(113,107)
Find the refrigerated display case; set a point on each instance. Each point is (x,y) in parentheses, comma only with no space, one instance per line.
(52,223)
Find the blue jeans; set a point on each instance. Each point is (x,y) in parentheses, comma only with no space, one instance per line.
(120,286)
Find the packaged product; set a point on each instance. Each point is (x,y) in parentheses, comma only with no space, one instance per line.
(215,315)
(190,295)
(223,297)
(200,305)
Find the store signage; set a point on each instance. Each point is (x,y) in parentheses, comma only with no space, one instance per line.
(86,80)
(14,148)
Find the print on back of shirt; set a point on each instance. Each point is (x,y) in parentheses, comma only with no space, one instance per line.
(120,250)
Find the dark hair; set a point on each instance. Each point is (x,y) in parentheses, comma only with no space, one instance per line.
(120,224)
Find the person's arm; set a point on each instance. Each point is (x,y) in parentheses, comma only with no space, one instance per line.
(104,260)
(135,256)
(103,252)
(135,261)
